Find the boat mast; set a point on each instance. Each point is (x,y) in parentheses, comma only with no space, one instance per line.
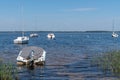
(113,26)
(22,20)
(23,33)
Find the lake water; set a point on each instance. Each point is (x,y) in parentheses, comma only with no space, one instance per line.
(68,56)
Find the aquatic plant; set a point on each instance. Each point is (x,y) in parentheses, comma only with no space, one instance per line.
(7,71)
(110,61)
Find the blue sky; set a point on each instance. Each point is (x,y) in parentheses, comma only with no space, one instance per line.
(59,15)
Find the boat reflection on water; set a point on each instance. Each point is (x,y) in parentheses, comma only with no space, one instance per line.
(30,72)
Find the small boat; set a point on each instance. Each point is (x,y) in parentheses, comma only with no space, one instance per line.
(21,40)
(31,55)
(51,36)
(114,34)
(34,35)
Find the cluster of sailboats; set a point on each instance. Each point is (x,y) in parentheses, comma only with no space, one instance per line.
(25,39)
(31,55)
(36,55)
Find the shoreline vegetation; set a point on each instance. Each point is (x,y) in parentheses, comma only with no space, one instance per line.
(109,62)
(7,71)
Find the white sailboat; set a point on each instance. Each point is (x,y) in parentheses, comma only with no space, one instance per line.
(113,33)
(21,39)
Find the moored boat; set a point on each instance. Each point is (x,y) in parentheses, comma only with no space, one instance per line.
(21,40)
(51,36)
(114,34)
(32,54)
(34,35)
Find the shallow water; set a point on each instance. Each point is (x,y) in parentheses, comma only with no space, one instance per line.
(68,56)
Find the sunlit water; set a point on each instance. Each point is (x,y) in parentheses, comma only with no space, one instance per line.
(68,56)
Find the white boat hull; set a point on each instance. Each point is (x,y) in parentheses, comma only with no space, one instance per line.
(21,40)
(40,61)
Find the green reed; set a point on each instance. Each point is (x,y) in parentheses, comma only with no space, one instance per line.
(7,71)
(109,61)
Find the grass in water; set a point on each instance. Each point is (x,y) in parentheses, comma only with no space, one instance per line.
(7,71)
(110,61)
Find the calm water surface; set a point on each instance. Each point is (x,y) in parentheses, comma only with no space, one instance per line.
(68,56)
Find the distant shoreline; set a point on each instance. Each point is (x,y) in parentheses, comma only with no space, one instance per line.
(59,31)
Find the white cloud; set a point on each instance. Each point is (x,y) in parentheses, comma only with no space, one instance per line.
(82,9)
